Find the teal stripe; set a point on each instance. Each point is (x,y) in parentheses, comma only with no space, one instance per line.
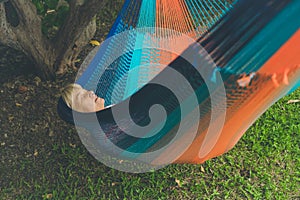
(297,86)
(133,75)
(267,41)
(147,18)
(143,144)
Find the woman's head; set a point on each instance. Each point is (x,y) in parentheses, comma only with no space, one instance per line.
(81,100)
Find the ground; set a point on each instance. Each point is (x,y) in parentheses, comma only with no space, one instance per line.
(29,122)
(41,156)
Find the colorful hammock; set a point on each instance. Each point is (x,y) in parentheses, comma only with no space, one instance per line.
(237,60)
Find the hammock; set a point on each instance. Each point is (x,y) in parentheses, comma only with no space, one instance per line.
(187,78)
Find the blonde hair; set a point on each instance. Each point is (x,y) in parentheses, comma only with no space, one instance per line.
(67,92)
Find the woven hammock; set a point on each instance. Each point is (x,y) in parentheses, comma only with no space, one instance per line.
(237,58)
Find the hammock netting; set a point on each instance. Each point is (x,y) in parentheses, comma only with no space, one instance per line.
(237,58)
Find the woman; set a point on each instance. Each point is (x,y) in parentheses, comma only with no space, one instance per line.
(81,100)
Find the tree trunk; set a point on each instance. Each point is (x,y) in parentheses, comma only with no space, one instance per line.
(23,32)
(26,35)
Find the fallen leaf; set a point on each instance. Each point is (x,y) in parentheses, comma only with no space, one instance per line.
(50,11)
(51,133)
(18,104)
(77,60)
(95,43)
(48,196)
(10,118)
(294,101)
(202,169)
(178,182)
(37,80)
(72,145)
(36,153)
(22,89)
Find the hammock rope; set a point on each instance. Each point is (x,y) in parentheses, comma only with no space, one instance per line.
(254,46)
(163,14)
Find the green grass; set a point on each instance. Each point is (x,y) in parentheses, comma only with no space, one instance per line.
(263,165)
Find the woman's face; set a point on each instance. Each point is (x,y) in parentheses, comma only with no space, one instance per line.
(86,101)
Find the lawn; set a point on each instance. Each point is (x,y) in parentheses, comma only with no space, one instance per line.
(263,165)
(42,157)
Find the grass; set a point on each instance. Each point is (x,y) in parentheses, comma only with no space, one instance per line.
(263,165)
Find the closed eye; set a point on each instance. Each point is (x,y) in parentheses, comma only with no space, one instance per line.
(79,96)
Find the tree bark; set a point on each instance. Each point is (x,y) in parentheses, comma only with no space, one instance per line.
(27,36)
(72,36)
(48,56)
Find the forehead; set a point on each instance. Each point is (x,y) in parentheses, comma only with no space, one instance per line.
(77,97)
(77,91)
